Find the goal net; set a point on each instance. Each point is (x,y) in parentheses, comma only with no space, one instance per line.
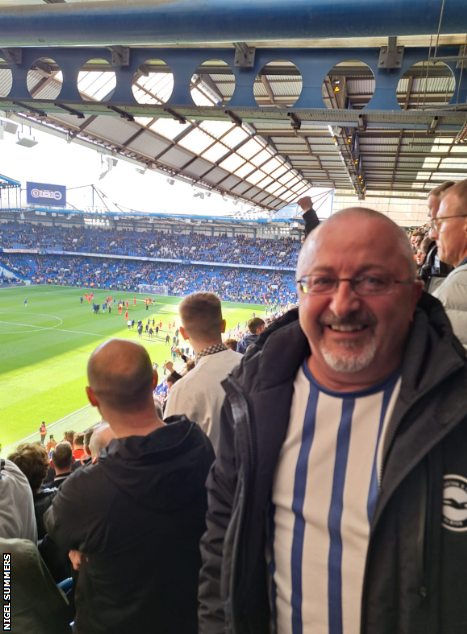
(153,289)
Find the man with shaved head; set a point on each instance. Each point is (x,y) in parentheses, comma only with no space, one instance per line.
(449,229)
(338,499)
(133,519)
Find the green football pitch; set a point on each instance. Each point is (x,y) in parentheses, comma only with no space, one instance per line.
(45,347)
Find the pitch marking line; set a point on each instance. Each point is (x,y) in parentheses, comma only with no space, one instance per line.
(60,420)
(38,328)
(74,332)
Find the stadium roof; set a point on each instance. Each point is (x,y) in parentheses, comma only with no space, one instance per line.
(264,159)
(7,183)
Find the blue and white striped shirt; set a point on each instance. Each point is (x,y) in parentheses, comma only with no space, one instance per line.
(323,499)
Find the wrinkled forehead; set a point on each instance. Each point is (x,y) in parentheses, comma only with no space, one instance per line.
(351,245)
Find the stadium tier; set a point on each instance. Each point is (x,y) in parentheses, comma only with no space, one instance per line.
(282,252)
(230,284)
(243,269)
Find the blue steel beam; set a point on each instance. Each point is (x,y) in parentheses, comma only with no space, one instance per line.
(312,64)
(192,21)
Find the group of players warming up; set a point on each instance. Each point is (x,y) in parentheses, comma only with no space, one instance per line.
(123,307)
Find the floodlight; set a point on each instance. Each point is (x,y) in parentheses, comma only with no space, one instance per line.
(26,140)
(170,181)
(141,170)
(8,126)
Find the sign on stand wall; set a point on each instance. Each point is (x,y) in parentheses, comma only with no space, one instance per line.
(48,195)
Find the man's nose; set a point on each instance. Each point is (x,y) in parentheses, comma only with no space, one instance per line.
(344,300)
(432,232)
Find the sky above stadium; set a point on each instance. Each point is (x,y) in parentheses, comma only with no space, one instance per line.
(54,161)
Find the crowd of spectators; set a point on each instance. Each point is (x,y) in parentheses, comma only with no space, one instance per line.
(157,244)
(230,284)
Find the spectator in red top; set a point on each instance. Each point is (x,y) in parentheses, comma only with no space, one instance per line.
(78,447)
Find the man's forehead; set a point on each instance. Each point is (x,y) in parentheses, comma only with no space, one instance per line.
(449,205)
(351,245)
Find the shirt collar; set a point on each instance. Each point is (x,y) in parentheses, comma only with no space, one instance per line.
(219,347)
(464,261)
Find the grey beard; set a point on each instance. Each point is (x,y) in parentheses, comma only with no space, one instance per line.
(350,362)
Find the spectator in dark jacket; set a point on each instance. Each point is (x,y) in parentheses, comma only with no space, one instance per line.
(62,461)
(256,327)
(137,515)
(338,499)
(309,214)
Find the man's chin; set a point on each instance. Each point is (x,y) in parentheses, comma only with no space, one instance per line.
(349,360)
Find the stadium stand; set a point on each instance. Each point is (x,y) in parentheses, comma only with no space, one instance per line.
(270,284)
(160,244)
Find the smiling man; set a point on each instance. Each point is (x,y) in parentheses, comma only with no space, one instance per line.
(326,502)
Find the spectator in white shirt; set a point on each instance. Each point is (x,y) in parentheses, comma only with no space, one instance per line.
(199,395)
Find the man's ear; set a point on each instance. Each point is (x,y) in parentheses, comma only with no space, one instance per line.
(223,326)
(184,334)
(155,378)
(91,397)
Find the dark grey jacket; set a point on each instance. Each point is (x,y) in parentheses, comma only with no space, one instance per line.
(416,570)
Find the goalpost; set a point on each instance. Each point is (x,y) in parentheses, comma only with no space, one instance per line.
(153,289)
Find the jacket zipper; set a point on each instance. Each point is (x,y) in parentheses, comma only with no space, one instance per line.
(421,541)
(248,421)
(244,515)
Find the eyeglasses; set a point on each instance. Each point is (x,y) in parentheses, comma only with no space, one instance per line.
(364,285)
(436,222)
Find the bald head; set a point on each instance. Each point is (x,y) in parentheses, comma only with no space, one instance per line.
(121,376)
(363,225)
(100,439)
